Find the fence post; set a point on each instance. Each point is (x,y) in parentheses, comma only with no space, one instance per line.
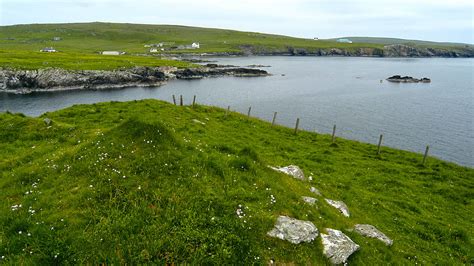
(248,114)
(297,124)
(334,134)
(194,100)
(174,100)
(380,144)
(426,154)
(274,118)
(181,100)
(227,111)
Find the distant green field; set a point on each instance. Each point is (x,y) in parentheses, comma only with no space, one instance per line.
(81,43)
(147,182)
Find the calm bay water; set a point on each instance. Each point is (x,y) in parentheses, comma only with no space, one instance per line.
(323,91)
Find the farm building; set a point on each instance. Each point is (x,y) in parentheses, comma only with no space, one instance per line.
(48,50)
(344,41)
(112,53)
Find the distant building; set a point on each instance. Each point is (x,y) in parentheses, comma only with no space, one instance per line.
(315,38)
(154,45)
(112,53)
(56,39)
(344,41)
(48,50)
(153,50)
(195,45)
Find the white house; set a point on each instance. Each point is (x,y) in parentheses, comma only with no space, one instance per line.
(112,53)
(48,50)
(344,41)
(56,39)
(195,45)
(153,50)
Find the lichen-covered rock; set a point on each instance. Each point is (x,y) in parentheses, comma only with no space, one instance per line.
(337,246)
(371,231)
(341,206)
(315,191)
(309,200)
(293,230)
(292,170)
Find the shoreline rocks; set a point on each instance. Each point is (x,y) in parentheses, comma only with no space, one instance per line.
(407,79)
(55,79)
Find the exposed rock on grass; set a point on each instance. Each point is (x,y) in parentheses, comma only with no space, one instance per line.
(292,170)
(293,230)
(341,206)
(372,232)
(309,200)
(337,246)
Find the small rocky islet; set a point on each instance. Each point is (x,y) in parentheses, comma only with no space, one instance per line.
(407,79)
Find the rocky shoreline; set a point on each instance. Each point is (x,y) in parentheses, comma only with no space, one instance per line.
(54,79)
(393,50)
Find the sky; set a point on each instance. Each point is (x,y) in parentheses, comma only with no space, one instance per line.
(435,20)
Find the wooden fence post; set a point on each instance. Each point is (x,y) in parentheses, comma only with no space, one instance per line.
(380,144)
(274,118)
(248,114)
(426,154)
(227,111)
(194,100)
(181,100)
(297,124)
(334,134)
(174,100)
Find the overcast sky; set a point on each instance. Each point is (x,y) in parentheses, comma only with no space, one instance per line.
(437,20)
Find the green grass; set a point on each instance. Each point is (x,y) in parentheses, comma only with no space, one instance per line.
(140,182)
(77,61)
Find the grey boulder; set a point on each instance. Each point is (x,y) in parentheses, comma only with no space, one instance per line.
(337,246)
(315,191)
(371,231)
(341,206)
(293,230)
(309,200)
(292,170)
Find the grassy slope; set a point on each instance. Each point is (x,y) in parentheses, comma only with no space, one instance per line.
(140,181)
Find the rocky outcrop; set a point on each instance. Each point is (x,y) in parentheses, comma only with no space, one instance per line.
(407,79)
(309,200)
(337,246)
(341,206)
(292,170)
(52,79)
(315,191)
(368,230)
(293,230)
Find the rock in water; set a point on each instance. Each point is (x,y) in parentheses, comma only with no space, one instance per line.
(309,200)
(370,231)
(341,206)
(337,246)
(293,230)
(292,170)
(315,191)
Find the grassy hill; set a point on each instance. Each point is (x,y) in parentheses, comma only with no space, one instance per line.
(80,44)
(388,41)
(147,181)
